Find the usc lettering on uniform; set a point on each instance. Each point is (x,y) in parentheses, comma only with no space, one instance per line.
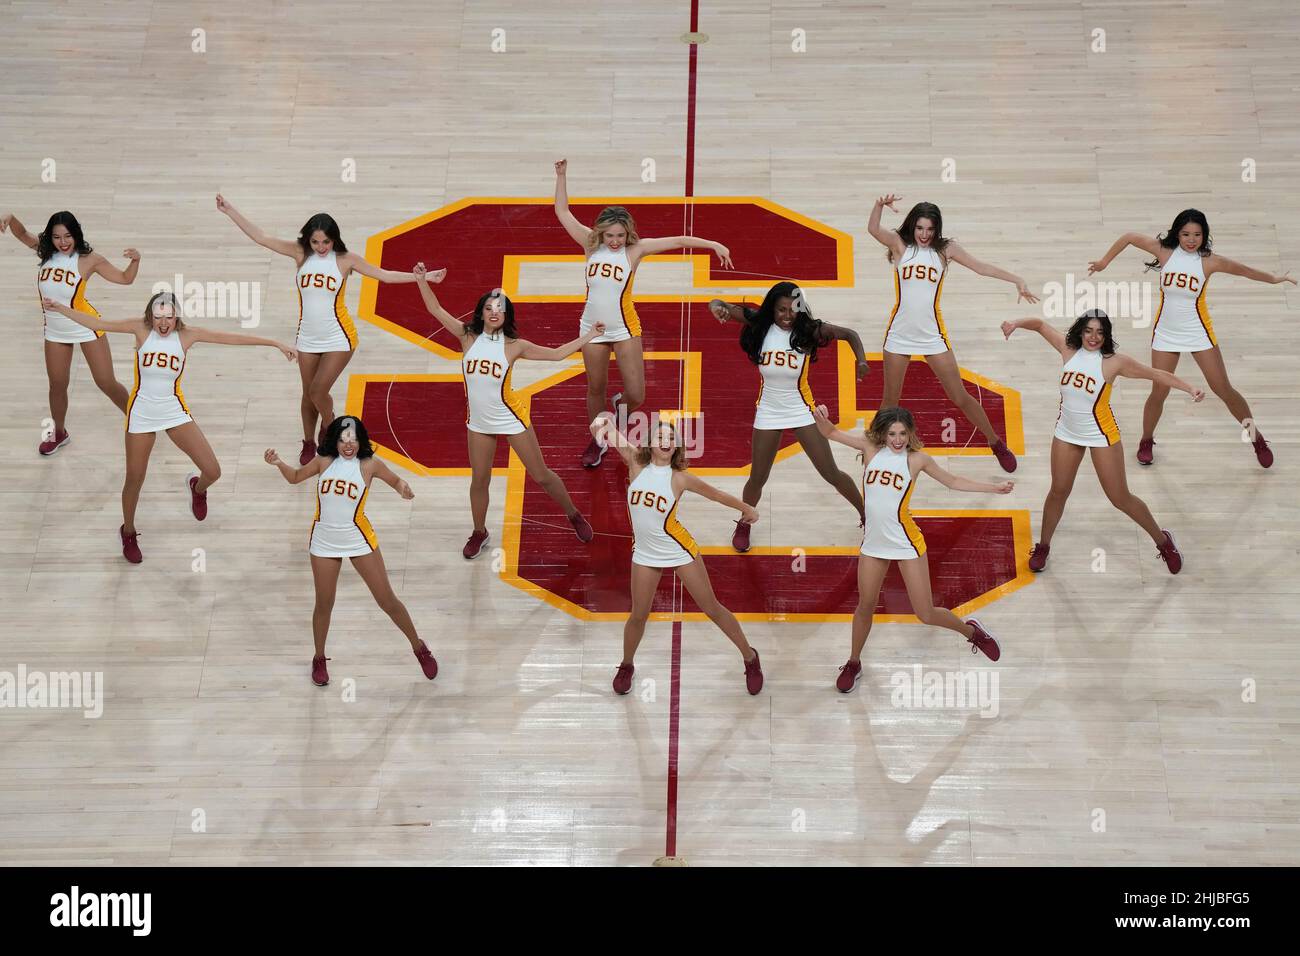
(649,499)
(921,273)
(881,476)
(337,486)
(318,280)
(782,359)
(161,360)
(1079,380)
(66,276)
(1180,280)
(606,270)
(484,367)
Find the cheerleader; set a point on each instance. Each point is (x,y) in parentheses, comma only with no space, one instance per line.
(343,470)
(1086,423)
(490,346)
(67,263)
(658,480)
(1185,263)
(920,253)
(893,460)
(782,338)
(326,338)
(157,404)
(613,250)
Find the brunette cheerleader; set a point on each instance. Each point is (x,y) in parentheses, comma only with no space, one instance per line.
(326,338)
(920,253)
(67,263)
(1182,324)
(344,470)
(1086,424)
(490,346)
(782,338)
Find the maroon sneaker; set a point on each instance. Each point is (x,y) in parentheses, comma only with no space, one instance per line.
(319,675)
(1038,557)
(130,545)
(1262,451)
(474,545)
(593,455)
(427,663)
(581,527)
(850,674)
(753,675)
(1004,455)
(982,640)
(623,678)
(1145,453)
(308,451)
(198,500)
(740,539)
(54,444)
(1170,554)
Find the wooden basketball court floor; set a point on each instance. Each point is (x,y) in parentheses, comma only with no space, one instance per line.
(1142,718)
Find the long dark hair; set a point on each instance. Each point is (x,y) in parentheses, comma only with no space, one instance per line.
(907,231)
(45,241)
(326,224)
(475,325)
(1074,336)
(1170,239)
(806,335)
(329,448)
